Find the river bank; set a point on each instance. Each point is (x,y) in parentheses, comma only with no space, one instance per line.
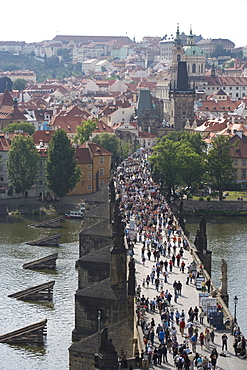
(69,202)
(212,207)
(32,206)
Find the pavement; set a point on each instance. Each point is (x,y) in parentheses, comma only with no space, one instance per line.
(189,298)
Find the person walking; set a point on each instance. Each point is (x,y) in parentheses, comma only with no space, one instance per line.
(224,339)
(181,327)
(201,317)
(213,357)
(212,335)
(193,343)
(201,339)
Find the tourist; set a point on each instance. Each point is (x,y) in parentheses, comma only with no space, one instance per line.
(212,335)
(235,346)
(213,357)
(201,339)
(201,316)
(181,327)
(137,358)
(182,266)
(224,339)
(193,343)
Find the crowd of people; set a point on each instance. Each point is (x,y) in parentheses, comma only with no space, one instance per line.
(160,240)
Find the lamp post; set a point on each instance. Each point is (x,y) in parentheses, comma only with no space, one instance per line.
(235,300)
(99,317)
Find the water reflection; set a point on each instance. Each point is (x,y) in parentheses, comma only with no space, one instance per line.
(15,314)
(226,238)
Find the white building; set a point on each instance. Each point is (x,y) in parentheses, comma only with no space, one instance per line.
(89,65)
(166,46)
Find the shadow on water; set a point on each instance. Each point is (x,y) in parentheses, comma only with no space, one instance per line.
(30,349)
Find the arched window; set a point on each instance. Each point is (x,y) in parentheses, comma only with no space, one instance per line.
(202,68)
(193,68)
(178,58)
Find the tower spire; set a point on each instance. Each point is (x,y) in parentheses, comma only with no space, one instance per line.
(178,40)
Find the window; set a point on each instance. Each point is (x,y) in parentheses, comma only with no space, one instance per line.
(243,162)
(89,166)
(101,183)
(235,162)
(41,173)
(40,163)
(40,182)
(101,160)
(236,95)
(101,172)
(89,187)
(193,68)
(89,175)
(243,174)
(230,88)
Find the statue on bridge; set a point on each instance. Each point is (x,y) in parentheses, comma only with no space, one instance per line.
(201,236)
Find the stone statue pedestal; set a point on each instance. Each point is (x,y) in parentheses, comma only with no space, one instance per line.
(206,259)
(106,361)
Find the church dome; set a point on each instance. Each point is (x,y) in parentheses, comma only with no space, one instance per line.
(193,50)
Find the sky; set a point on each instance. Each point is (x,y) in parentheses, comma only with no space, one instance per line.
(31,21)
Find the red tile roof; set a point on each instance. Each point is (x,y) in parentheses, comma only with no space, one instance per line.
(42,136)
(102,127)
(239,151)
(69,119)
(95,149)
(83,155)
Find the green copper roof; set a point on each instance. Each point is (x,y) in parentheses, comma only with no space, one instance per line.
(191,50)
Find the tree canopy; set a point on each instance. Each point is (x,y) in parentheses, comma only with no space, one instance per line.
(22,163)
(20,84)
(5,84)
(24,126)
(220,171)
(177,161)
(111,143)
(62,170)
(84,131)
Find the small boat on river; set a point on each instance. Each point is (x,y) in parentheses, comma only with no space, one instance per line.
(79,213)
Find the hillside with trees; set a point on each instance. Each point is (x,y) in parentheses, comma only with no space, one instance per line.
(43,68)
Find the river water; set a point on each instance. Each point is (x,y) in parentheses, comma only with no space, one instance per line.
(226,238)
(15,314)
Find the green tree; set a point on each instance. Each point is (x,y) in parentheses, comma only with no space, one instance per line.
(22,163)
(20,84)
(52,62)
(220,170)
(164,165)
(111,143)
(65,54)
(62,170)
(178,161)
(5,84)
(191,166)
(24,126)
(84,131)
(11,67)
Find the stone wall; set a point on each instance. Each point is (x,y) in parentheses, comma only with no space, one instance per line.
(213,205)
